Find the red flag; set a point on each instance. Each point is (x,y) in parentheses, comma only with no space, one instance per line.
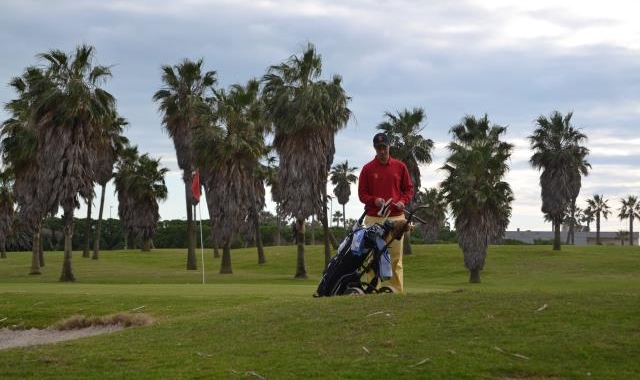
(195,187)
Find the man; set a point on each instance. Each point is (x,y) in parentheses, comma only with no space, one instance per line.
(386,179)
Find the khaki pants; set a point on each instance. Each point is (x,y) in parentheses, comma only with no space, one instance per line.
(395,250)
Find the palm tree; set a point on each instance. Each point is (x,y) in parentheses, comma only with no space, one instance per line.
(307,113)
(70,111)
(184,108)
(342,176)
(112,144)
(150,188)
(588,216)
(140,185)
(629,209)
(19,155)
(561,157)
(579,217)
(622,235)
(337,216)
(601,209)
(434,213)
(480,200)
(125,169)
(408,146)
(235,190)
(572,218)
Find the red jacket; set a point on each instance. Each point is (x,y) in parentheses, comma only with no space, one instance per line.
(390,180)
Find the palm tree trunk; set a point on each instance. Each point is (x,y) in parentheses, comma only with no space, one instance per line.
(313,230)
(133,241)
(278,227)
(191,251)
(407,249)
(146,245)
(344,216)
(556,234)
(256,225)
(301,270)
(474,276)
(325,225)
(96,242)
(40,247)
(406,246)
(35,252)
(631,230)
(216,248)
(259,245)
(327,232)
(67,271)
(225,265)
(332,239)
(598,229)
(474,250)
(87,229)
(572,223)
(214,241)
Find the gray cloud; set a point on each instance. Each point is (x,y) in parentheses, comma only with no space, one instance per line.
(452,59)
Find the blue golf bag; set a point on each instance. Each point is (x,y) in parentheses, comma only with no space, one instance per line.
(363,250)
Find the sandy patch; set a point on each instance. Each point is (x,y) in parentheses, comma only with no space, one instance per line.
(23,338)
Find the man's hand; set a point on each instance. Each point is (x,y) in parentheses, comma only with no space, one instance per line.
(384,207)
(399,205)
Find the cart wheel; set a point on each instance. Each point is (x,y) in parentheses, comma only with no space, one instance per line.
(387,289)
(354,291)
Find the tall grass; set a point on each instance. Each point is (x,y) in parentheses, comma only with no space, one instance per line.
(538,314)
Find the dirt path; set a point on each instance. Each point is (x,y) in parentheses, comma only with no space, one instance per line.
(23,338)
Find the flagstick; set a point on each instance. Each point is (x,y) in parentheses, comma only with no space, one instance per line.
(201,242)
(195,192)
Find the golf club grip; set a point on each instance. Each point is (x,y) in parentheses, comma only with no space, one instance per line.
(412,214)
(418,219)
(361,219)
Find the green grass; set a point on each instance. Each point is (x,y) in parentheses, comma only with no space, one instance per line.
(538,314)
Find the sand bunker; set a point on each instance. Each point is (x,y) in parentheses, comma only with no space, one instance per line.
(71,328)
(23,338)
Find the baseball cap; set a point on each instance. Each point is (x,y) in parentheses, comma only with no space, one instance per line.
(380,139)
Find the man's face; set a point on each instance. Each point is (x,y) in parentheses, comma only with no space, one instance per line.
(382,153)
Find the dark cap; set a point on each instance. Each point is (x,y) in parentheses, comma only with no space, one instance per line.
(380,139)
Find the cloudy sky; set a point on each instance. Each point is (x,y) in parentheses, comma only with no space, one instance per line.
(514,60)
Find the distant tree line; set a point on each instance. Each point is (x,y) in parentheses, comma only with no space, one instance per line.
(170,234)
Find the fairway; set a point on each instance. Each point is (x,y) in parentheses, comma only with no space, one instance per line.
(538,314)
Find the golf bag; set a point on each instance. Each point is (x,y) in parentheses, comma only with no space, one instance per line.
(363,250)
